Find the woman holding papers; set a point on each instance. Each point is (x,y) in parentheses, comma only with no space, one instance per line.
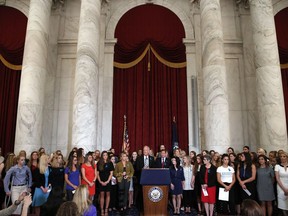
(265,188)
(226,180)
(246,176)
(208,180)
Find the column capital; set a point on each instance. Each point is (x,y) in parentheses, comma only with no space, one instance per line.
(57,4)
(196,3)
(244,3)
(2,2)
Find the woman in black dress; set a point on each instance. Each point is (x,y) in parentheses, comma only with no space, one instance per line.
(105,172)
(177,183)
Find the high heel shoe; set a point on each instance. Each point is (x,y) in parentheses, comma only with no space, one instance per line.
(102,212)
(106,212)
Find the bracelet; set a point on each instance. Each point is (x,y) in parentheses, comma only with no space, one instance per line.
(17,202)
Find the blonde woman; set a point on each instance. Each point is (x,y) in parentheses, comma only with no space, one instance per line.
(124,172)
(281,173)
(83,202)
(188,189)
(56,177)
(42,186)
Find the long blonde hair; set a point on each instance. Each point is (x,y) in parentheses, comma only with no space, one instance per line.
(188,163)
(9,161)
(81,198)
(43,163)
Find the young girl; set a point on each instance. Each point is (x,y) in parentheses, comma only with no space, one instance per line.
(177,183)
(41,184)
(265,182)
(226,179)
(105,171)
(72,177)
(89,174)
(83,201)
(246,176)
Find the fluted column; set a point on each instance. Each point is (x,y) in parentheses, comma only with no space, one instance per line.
(272,124)
(86,76)
(33,77)
(216,109)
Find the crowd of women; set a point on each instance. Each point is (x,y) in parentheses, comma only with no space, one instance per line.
(206,183)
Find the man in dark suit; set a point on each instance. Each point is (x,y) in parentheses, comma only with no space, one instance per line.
(145,161)
(163,161)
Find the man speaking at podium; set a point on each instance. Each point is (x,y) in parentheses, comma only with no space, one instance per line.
(145,161)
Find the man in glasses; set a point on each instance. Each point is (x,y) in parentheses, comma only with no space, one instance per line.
(18,180)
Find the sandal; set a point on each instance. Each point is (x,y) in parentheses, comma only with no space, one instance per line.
(102,212)
(106,212)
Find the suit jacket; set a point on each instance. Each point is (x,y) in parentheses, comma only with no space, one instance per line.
(140,162)
(158,163)
(119,170)
(140,165)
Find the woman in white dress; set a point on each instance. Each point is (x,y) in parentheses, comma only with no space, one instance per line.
(281,173)
(188,189)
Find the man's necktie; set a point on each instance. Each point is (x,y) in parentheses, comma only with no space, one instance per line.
(146,162)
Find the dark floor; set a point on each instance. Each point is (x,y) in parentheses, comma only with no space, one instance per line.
(134,212)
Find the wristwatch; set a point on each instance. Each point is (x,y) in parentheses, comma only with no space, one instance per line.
(17,202)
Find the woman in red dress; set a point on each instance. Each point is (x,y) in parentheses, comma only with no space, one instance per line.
(89,174)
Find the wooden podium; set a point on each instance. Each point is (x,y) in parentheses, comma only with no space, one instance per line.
(156,183)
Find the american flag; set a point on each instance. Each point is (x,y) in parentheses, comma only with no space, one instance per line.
(126,145)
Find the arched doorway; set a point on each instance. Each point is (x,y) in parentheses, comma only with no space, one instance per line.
(150,81)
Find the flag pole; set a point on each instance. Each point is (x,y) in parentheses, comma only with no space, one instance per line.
(124,133)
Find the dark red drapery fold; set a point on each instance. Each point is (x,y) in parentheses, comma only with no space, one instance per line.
(12,39)
(284,73)
(149,99)
(282,39)
(9,92)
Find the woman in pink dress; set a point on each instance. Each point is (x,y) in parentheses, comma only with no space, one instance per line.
(89,174)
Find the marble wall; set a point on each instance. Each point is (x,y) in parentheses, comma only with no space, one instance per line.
(61,65)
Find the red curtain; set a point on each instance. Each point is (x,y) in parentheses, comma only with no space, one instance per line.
(12,38)
(282,39)
(149,96)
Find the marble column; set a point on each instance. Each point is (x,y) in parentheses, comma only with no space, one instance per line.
(216,109)
(33,78)
(272,123)
(86,76)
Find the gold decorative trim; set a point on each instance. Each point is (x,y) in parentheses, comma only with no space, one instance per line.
(167,63)
(284,66)
(9,65)
(148,48)
(133,63)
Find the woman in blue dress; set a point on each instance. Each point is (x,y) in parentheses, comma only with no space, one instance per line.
(42,186)
(177,184)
